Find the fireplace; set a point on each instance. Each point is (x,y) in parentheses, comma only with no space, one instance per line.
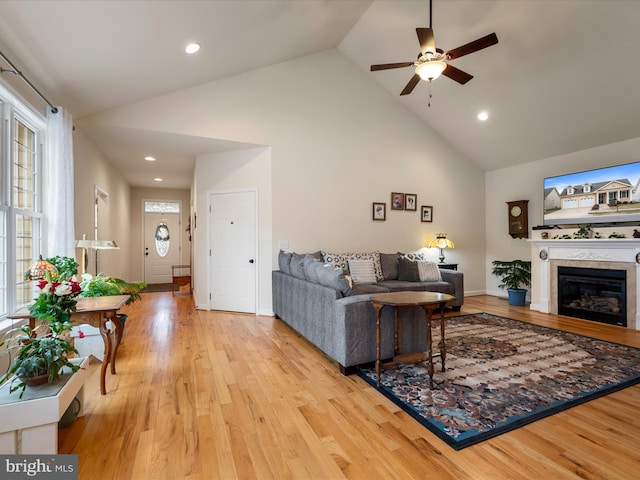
(593,294)
(600,254)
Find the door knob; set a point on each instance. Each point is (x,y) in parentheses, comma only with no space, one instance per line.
(251,261)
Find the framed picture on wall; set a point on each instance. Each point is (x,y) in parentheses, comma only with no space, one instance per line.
(397,201)
(426,213)
(410,201)
(379,211)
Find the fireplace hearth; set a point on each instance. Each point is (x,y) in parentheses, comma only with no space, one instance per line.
(593,294)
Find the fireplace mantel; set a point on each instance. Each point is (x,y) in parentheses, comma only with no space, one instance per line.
(621,253)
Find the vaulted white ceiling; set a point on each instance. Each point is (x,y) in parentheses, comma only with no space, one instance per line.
(561,79)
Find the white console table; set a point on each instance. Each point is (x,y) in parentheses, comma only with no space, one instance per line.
(29,425)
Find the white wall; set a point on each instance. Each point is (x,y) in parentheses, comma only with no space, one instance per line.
(526,182)
(92,168)
(234,171)
(338,143)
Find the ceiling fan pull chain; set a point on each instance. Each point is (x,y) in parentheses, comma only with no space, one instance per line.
(429,99)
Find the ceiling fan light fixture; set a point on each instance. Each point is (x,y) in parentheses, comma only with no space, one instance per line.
(431,69)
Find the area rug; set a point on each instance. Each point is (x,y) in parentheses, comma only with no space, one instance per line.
(502,374)
(160,287)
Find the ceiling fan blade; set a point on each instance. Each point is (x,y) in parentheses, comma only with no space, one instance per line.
(456,74)
(388,66)
(411,85)
(427,42)
(474,46)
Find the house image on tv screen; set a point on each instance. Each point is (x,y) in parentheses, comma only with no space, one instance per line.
(594,196)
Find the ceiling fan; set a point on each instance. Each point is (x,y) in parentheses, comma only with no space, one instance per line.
(433,62)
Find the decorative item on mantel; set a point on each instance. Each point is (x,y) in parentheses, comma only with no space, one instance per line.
(441,242)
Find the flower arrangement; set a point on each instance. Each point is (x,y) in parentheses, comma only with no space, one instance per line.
(57,300)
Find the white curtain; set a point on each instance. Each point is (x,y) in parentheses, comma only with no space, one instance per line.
(58,185)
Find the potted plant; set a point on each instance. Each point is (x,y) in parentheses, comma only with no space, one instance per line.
(43,350)
(513,276)
(40,354)
(102,286)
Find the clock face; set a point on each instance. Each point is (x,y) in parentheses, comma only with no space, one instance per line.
(516,211)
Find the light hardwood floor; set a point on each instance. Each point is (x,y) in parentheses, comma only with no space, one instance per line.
(214,395)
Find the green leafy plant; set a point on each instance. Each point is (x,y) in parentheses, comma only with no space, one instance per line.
(44,349)
(514,274)
(67,267)
(102,286)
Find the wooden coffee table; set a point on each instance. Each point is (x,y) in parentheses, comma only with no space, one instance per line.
(429,301)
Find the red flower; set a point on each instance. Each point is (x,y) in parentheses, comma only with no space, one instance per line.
(42,284)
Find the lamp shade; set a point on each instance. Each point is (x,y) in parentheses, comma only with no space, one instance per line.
(431,70)
(97,244)
(39,270)
(441,241)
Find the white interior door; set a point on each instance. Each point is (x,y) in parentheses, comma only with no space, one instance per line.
(161,246)
(233,263)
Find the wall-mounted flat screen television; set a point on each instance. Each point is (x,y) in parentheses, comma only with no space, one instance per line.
(604,195)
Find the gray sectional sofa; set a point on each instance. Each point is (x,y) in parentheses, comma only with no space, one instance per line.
(313,294)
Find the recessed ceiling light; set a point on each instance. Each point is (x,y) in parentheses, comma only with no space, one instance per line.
(483,116)
(157,179)
(192,48)
(150,159)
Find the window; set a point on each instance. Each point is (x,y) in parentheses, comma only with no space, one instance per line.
(21,217)
(587,189)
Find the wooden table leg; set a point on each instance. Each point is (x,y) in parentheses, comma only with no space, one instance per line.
(428,309)
(117,335)
(443,347)
(106,337)
(378,309)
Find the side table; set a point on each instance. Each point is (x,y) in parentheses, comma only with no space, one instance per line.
(429,301)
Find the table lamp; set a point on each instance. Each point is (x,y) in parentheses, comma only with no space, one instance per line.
(441,242)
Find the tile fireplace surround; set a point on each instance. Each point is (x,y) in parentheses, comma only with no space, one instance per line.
(619,254)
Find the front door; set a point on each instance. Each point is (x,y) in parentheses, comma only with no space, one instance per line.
(233,251)
(161,246)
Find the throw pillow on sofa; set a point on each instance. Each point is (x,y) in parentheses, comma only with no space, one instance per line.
(334,278)
(362,271)
(297,266)
(284,262)
(310,268)
(342,260)
(408,270)
(413,256)
(429,272)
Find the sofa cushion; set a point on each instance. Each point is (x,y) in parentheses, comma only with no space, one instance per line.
(342,260)
(369,288)
(284,262)
(311,265)
(333,277)
(401,286)
(407,270)
(297,266)
(389,263)
(362,271)
(440,287)
(429,272)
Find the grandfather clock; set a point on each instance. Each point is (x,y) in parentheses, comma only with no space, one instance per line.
(518,218)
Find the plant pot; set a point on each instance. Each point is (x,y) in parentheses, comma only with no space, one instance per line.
(517,296)
(38,380)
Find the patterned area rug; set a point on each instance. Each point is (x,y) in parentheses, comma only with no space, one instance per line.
(502,374)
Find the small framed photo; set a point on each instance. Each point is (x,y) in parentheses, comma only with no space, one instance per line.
(426,213)
(410,201)
(397,201)
(379,211)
